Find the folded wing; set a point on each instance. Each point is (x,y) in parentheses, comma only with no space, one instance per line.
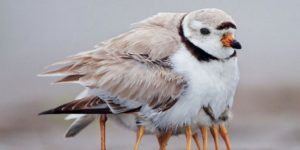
(133,67)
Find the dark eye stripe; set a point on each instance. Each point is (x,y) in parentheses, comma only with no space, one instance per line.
(226,25)
(204,31)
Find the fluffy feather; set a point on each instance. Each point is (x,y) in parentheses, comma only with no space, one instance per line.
(147,69)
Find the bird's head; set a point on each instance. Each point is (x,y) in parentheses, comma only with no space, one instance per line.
(212,30)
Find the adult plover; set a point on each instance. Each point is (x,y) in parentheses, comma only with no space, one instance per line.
(175,70)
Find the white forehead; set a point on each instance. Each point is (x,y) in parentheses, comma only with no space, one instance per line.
(211,17)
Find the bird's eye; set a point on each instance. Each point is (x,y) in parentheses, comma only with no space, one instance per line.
(204,31)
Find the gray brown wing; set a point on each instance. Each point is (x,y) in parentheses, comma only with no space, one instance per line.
(133,66)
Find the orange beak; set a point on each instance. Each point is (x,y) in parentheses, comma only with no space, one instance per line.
(229,41)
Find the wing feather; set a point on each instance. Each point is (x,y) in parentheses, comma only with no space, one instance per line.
(134,65)
(87,105)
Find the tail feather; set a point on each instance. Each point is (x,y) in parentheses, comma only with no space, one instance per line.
(79,124)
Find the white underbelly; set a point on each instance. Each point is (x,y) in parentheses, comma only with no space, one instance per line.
(187,109)
(208,83)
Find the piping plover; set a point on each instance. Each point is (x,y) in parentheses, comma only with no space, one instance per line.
(175,70)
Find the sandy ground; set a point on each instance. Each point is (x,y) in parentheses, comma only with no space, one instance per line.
(264,119)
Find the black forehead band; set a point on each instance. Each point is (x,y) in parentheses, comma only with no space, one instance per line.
(226,25)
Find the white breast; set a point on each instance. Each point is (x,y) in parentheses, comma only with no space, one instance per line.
(209,83)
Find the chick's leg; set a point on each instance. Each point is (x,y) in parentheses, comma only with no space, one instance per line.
(163,139)
(188,134)
(224,135)
(139,136)
(196,140)
(215,133)
(102,121)
(204,133)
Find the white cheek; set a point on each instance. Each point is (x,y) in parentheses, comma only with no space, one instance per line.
(209,43)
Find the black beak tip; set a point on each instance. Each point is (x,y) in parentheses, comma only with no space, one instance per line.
(236,45)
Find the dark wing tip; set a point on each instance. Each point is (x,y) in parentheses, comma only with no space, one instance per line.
(47,112)
(88,105)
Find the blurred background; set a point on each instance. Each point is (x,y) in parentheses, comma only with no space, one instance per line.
(35,33)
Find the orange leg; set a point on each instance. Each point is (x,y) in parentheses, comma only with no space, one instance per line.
(163,139)
(139,136)
(204,137)
(195,137)
(188,134)
(159,139)
(224,134)
(215,133)
(102,121)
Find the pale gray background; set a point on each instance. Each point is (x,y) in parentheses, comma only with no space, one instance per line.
(35,33)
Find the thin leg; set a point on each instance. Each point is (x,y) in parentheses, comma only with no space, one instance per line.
(225,136)
(164,138)
(102,121)
(139,136)
(204,137)
(188,134)
(215,133)
(196,140)
(159,139)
